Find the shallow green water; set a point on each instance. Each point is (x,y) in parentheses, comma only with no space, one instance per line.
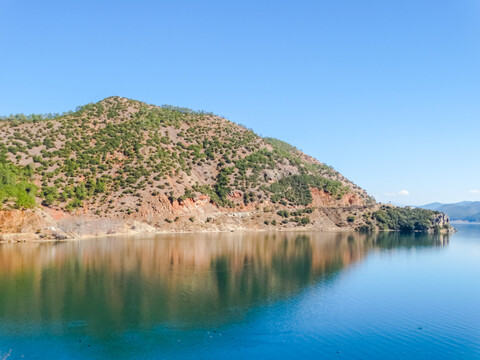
(283,295)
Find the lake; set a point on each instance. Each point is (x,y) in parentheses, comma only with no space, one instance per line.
(243,295)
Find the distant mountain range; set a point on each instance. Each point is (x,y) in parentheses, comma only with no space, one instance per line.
(465,210)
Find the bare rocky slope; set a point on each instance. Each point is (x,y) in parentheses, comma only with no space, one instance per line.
(121,166)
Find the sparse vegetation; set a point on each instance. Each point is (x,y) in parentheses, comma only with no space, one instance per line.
(124,148)
(117,155)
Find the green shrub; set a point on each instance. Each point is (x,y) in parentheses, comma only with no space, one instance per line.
(304,221)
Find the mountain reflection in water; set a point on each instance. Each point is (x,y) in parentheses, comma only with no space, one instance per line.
(112,285)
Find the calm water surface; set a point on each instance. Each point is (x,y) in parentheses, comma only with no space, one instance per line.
(237,296)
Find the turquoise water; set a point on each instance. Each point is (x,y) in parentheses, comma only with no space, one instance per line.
(237,296)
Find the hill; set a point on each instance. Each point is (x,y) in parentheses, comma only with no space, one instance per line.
(431,206)
(121,165)
(461,211)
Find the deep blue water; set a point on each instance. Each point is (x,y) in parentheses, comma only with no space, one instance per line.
(238,296)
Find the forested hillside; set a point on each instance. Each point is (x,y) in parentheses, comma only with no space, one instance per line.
(171,168)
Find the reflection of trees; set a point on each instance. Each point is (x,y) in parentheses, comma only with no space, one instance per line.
(116,283)
(391,240)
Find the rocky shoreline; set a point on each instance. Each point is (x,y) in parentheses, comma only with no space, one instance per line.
(43,225)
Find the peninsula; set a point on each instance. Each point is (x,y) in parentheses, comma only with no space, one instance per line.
(123,166)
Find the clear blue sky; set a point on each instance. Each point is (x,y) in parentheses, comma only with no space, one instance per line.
(387,92)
